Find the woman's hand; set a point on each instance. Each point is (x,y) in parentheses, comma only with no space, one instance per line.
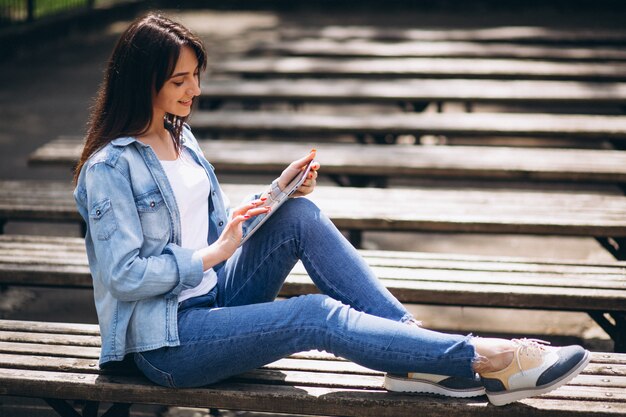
(231,236)
(294,169)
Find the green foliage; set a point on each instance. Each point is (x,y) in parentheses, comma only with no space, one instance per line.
(17,10)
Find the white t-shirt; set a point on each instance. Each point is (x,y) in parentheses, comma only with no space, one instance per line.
(191,187)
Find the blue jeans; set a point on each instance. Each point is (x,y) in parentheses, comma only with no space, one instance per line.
(238,326)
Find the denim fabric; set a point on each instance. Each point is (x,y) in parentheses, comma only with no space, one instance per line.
(355,317)
(133,244)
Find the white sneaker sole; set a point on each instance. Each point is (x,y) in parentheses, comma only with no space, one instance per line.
(426,387)
(507,397)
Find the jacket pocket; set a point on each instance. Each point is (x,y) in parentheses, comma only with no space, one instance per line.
(153,214)
(103,220)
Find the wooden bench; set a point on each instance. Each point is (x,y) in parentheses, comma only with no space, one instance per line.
(416,93)
(58,362)
(421,278)
(443,49)
(376,163)
(385,128)
(417,209)
(497,34)
(388,68)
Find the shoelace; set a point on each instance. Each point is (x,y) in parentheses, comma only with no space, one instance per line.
(529,347)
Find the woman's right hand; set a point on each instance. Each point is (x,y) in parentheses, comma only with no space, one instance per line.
(229,240)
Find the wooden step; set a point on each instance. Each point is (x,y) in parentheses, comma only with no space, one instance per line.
(499,34)
(424,278)
(399,91)
(581,127)
(308,382)
(415,209)
(443,49)
(398,161)
(446,68)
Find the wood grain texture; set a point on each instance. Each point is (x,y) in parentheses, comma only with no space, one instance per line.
(489,163)
(393,91)
(582,127)
(411,277)
(442,49)
(440,68)
(415,209)
(309,382)
(499,34)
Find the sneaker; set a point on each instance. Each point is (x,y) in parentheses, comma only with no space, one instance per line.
(535,370)
(449,386)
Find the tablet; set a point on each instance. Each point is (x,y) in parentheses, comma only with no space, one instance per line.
(291,188)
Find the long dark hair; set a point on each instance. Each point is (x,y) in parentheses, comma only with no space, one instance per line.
(143,59)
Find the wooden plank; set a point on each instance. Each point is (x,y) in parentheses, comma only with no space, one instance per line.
(54,359)
(308,373)
(286,399)
(425,279)
(497,163)
(417,209)
(443,49)
(38,349)
(581,127)
(50,327)
(49,338)
(506,34)
(45,271)
(394,91)
(316,377)
(445,68)
(603,385)
(377,257)
(37,200)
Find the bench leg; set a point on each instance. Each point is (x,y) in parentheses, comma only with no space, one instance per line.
(386,139)
(118,410)
(210,104)
(615,329)
(62,407)
(414,106)
(359,180)
(89,410)
(356,238)
(296,106)
(615,246)
(251,105)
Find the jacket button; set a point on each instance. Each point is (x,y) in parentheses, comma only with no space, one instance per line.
(152,204)
(220,224)
(98,212)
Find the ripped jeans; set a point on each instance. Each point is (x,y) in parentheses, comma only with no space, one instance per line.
(239,326)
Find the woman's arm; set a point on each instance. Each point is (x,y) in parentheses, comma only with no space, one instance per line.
(228,242)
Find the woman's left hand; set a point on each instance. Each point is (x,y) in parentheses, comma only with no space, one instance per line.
(294,168)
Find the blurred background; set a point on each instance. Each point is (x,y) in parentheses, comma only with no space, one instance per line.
(52,55)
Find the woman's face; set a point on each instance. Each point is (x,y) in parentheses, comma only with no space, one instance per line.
(176,95)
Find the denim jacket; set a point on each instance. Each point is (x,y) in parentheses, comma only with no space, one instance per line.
(133,244)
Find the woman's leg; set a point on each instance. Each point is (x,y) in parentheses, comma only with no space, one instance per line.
(299,230)
(217,343)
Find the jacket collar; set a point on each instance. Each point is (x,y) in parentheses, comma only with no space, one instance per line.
(125,141)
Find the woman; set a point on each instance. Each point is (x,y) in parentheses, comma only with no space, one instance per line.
(174,290)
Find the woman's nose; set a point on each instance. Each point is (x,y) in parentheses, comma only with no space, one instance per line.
(194,90)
